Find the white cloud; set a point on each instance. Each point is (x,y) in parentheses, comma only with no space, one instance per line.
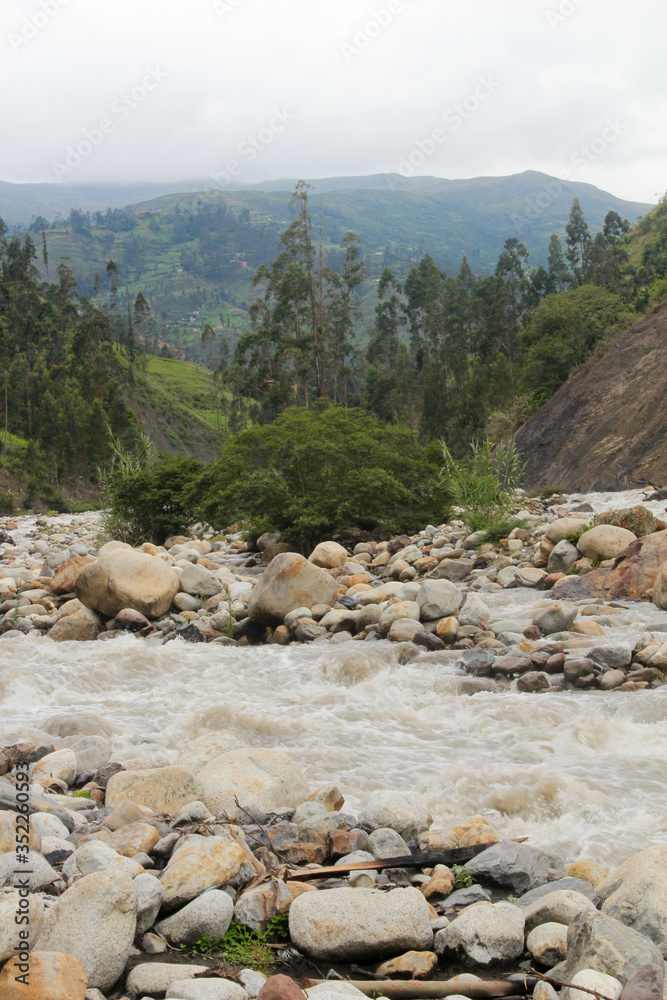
(365,83)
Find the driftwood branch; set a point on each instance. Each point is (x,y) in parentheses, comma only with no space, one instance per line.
(434,990)
(455,856)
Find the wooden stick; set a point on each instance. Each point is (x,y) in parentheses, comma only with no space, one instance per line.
(455,856)
(434,990)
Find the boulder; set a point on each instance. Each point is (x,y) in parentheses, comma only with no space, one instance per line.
(135,838)
(124,578)
(556,618)
(41,876)
(199,582)
(647,983)
(262,780)
(161,789)
(209,914)
(589,979)
(360,924)
(96,856)
(206,988)
(91,752)
(203,864)
(547,944)
(474,611)
(560,907)
(518,866)
(57,766)
(200,752)
(659,595)
(559,530)
(53,976)
(397,612)
(94,921)
(639,520)
(329,555)
(439,599)
(156,977)
(563,557)
(63,580)
(598,941)
(255,907)
(290,582)
(632,577)
(614,656)
(484,934)
(404,812)
(149,901)
(605,542)
(9,929)
(82,626)
(636,894)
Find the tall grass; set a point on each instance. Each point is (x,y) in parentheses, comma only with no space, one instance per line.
(483,486)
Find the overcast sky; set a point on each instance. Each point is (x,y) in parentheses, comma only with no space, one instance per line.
(162,90)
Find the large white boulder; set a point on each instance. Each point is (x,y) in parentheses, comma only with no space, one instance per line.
(351,925)
(605,541)
(262,780)
(125,578)
(484,934)
(290,582)
(95,921)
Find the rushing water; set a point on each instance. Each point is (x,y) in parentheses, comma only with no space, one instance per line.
(582,772)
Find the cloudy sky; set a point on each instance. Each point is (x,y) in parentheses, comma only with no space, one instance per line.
(162,90)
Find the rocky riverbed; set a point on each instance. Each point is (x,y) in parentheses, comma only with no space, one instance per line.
(262,720)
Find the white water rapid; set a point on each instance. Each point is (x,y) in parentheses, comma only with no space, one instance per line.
(584,772)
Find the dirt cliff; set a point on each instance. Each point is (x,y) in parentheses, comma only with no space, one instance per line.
(606,428)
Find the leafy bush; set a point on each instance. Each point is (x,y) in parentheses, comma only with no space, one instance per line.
(148,497)
(7,503)
(483,486)
(314,474)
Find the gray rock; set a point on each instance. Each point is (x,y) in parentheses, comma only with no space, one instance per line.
(636,894)
(556,618)
(590,979)
(438,599)
(263,780)
(149,901)
(474,611)
(41,874)
(518,866)
(568,884)
(563,557)
(548,944)
(386,843)
(559,907)
(466,897)
(95,921)
(477,661)
(199,582)
(92,753)
(612,657)
(206,989)
(356,924)
(647,983)
(405,812)
(155,978)
(210,914)
(595,940)
(251,981)
(484,934)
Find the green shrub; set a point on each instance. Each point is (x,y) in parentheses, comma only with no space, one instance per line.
(7,503)
(482,487)
(312,475)
(501,529)
(148,497)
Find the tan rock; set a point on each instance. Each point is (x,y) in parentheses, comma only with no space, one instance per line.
(66,575)
(447,628)
(12,904)
(200,752)
(261,779)
(8,828)
(560,530)
(605,542)
(298,888)
(288,583)
(583,626)
(83,626)
(255,907)
(124,578)
(162,789)
(417,964)
(52,976)
(403,630)
(659,596)
(401,609)
(329,555)
(330,796)
(137,838)
(441,884)
(204,864)
(58,766)
(471,832)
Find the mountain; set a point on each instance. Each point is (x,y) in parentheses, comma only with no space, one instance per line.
(196,268)
(606,427)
